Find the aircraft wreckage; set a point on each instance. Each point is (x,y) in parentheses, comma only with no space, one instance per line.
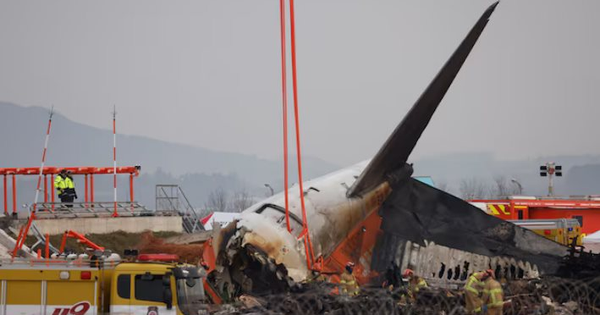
(375,215)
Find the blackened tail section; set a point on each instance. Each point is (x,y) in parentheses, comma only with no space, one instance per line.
(400,144)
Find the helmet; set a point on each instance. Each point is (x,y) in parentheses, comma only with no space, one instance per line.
(408,273)
(491,273)
(350,267)
(63,171)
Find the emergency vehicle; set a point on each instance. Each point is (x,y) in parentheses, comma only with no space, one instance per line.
(152,285)
(562,231)
(584,209)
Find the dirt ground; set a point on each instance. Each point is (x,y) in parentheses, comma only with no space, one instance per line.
(117,242)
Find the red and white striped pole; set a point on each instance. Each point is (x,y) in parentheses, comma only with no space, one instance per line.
(115,214)
(37,190)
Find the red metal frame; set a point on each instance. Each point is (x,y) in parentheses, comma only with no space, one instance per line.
(81,170)
(14,193)
(133,171)
(5,194)
(92,188)
(86,188)
(47,249)
(23,235)
(52,194)
(45,187)
(80,238)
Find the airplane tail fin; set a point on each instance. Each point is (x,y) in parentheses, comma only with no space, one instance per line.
(394,153)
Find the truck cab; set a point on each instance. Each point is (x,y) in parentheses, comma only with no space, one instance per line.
(140,288)
(154,284)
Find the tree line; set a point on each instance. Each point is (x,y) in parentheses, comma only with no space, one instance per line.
(499,188)
(220,200)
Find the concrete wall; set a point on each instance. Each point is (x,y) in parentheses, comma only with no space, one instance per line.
(109,225)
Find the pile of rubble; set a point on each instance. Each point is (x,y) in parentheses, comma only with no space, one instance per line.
(188,253)
(551,296)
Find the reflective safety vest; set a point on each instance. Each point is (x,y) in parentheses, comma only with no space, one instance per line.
(422,284)
(474,284)
(62,183)
(414,285)
(493,295)
(417,284)
(348,284)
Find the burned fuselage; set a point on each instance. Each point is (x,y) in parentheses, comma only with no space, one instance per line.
(259,254)
(372,214)
(330,218)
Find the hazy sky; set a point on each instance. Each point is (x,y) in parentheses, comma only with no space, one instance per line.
(207,73)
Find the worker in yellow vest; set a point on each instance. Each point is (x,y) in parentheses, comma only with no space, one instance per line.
(415,283)
(65,188)
(493,295)
(473,289)
(348,284)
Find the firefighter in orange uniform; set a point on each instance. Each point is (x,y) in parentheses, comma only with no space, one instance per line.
(473,290)
(348,284)
(493,295)
(415,283)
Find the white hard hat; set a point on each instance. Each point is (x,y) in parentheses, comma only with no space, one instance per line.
(113,257)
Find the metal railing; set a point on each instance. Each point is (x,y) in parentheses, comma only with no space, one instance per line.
(59,210)
(172,199)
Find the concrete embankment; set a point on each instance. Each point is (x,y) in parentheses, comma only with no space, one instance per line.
(109,225)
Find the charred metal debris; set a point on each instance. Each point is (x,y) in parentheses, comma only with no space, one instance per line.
(549,295)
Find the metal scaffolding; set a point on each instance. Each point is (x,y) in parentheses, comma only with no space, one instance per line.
(170,199)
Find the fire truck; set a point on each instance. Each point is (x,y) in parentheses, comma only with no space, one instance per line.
(584,209)
(154,284)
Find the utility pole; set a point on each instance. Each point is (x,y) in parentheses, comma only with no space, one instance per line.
(270,189)
(549,170)
(514,181)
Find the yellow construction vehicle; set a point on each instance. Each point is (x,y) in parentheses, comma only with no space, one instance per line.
(154,284)
(562,231)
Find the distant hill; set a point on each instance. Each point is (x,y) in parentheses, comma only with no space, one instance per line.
(200,171)
(22,131)
(584,179)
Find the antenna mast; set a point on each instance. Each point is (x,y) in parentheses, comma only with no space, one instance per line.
(115,214)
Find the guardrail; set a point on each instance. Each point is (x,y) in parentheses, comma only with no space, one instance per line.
(46,210)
